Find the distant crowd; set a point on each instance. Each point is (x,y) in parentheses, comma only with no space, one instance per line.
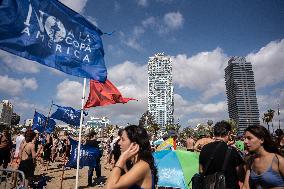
(254,160)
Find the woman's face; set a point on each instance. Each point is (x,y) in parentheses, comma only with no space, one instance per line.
(252,142)
(124,142)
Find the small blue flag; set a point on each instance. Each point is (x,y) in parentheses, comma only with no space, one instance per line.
(67,114)
(54,35)
(41,123)
(50,126)
(89,155)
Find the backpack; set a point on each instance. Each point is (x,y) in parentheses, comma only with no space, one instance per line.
(213,181)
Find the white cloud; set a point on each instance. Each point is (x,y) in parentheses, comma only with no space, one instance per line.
(174,20)
(16,86)
(268,64)
(142,3)
(69,93)
(202,72)
(76,5)
(131,41)
(151,21)
(19,64)
(30,83)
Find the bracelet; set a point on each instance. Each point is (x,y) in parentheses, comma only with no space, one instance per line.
(119,167)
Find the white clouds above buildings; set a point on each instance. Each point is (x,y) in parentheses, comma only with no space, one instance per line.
(268,63)
(14,86)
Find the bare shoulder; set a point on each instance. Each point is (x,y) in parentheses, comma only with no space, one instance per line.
(142,165)
(281,159)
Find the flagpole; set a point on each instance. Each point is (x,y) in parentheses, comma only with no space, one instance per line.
(80,132)
(47,119)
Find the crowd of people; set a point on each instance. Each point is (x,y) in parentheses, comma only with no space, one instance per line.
(254,160)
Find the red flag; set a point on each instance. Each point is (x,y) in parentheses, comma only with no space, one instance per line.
(102,94)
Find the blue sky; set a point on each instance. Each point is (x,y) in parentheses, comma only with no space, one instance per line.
(200,36)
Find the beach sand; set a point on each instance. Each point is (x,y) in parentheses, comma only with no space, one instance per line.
(54,173)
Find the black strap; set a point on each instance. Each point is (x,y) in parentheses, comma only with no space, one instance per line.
(211,159)
(228,152)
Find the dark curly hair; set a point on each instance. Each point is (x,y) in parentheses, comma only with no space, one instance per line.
(139,135)
(262,133)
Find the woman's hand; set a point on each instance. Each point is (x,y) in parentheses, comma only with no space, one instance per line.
(130,152)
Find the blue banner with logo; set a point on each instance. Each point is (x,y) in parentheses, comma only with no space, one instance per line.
(54,35)
(67,114)
(42,124)
(89,156)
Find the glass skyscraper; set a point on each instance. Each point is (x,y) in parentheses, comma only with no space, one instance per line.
(160,89)
(241,95)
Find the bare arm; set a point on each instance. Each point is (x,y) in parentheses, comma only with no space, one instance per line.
(20,150)
(281,165)
(246,182)
(33,151)
(134,175)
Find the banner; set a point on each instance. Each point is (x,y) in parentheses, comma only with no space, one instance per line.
(68,115)
(88,155)
(42,124)
(48,32)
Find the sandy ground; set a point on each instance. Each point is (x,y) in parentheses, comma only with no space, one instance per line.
(54,174)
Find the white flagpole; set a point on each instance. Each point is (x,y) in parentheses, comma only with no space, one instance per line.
(80,132)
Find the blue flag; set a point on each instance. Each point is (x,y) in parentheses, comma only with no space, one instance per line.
(67,115)
(41,123)
(89,155)
(50,126)
(54,35)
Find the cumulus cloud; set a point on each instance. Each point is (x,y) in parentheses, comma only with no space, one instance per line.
(174,20)
(268,63)
(76,5)
(142,3)
(203,72)
(69,93)
(16,86)
(171,21)
(18,64)
(132,40)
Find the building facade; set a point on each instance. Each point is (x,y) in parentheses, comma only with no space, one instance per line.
(6,112)
(160,89)
(241,94)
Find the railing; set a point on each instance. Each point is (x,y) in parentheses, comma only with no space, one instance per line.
(10,178)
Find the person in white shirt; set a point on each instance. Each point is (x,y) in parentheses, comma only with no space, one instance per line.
(20,138)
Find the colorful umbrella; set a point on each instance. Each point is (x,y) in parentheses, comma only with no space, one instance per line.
(175,168)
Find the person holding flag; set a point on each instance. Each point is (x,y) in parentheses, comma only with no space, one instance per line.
(93,142)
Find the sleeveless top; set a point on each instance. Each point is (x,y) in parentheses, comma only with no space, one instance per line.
(269,178)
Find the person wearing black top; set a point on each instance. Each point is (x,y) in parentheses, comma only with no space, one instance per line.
(234,164)
(94,143)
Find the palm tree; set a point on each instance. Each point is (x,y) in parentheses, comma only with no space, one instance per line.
(234,126)
(268,117)
(146,119)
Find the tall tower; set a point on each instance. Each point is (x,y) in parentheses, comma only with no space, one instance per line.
(241,95)
(160,89)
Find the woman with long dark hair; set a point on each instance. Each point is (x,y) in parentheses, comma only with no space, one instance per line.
(136,149)
(265,168)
